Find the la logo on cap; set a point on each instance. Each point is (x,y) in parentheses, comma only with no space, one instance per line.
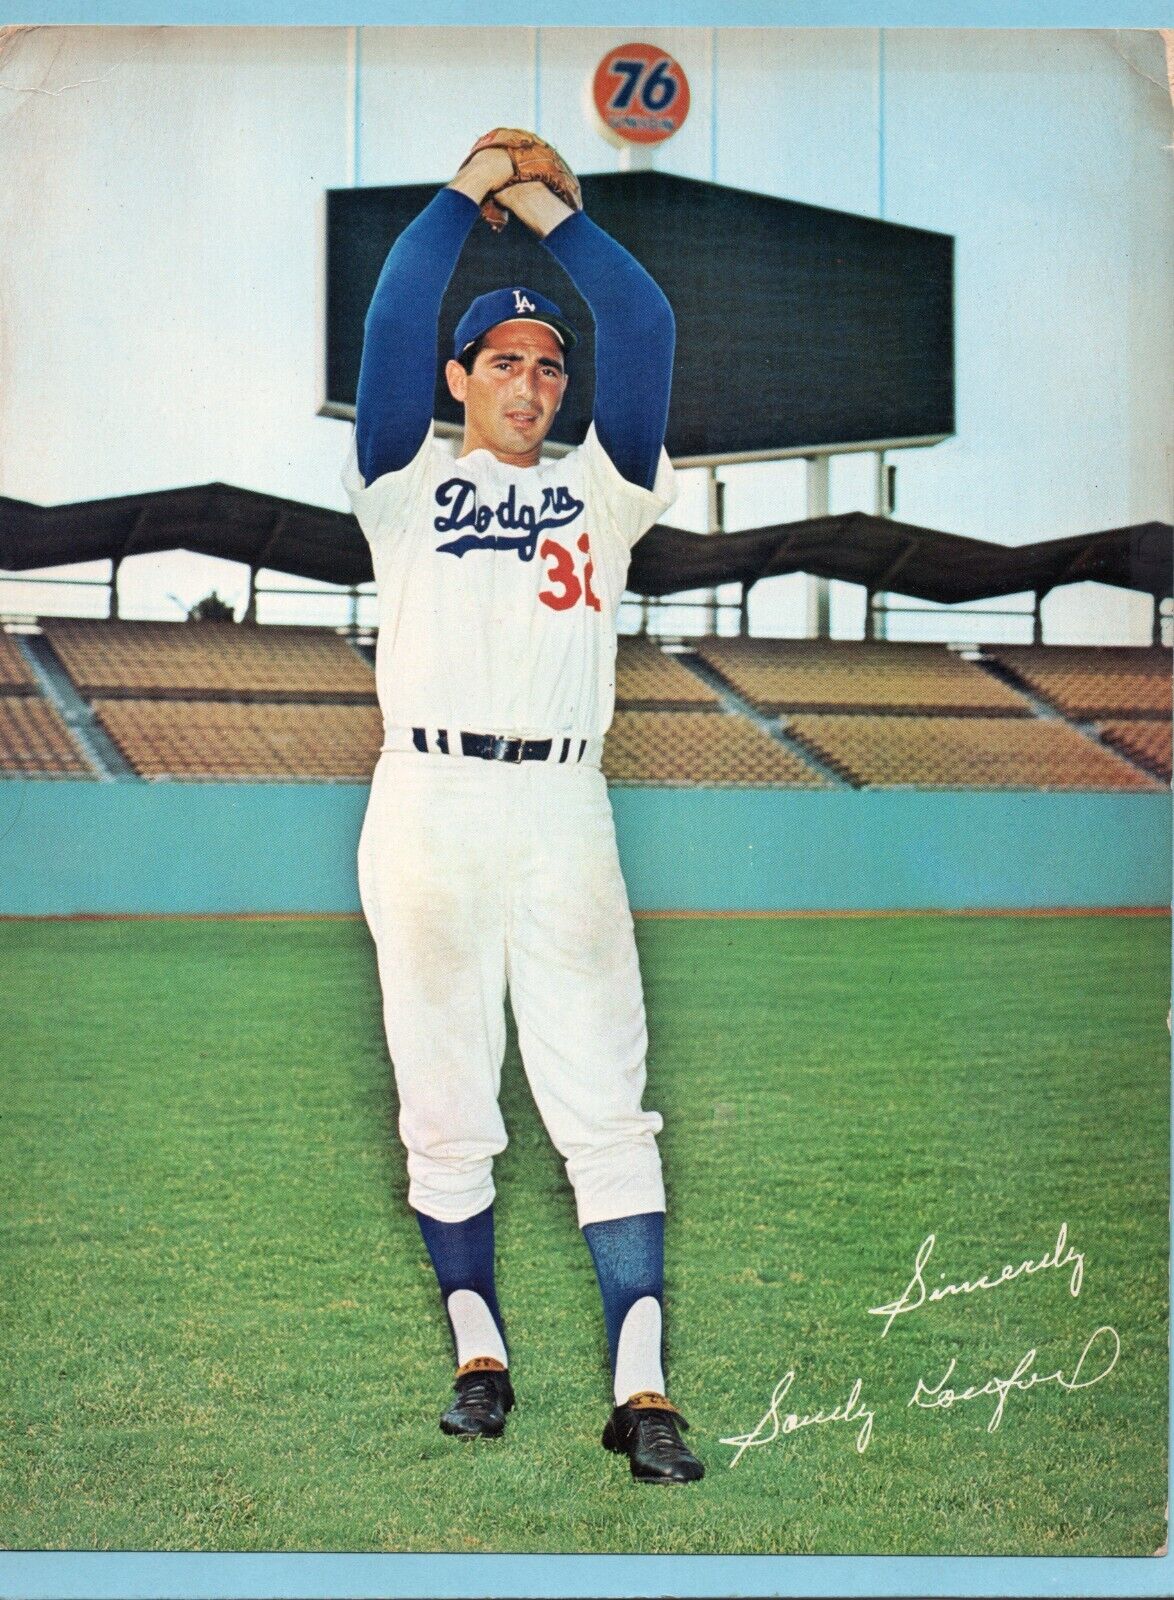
(521,303)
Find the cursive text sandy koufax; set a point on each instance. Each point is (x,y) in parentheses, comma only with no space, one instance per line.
(1105,1342)
(915,1294)
(1095,1362)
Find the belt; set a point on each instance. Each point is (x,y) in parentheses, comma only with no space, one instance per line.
(499,747)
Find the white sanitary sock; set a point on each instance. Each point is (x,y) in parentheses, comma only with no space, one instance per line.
(638,1356)
(473,1326)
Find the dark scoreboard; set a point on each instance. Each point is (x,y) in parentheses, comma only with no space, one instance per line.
(796,325)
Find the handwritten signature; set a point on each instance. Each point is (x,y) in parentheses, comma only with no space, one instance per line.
(1100,1355)
(850,1411)
(941,1398)
(915,1294)
(1103,1346)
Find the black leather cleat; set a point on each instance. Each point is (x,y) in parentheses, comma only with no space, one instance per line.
(646,1429)
(484,1395)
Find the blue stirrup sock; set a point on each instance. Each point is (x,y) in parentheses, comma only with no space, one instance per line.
(628,1253)
(462,1256)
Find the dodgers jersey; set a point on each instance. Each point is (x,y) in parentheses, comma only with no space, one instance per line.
(498,586)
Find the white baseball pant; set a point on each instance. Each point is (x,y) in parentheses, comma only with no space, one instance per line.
(480,875)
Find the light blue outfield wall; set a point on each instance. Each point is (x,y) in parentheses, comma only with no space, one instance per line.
(69,847)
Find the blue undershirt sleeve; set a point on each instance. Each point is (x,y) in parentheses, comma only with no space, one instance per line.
(634,337)
(397,375)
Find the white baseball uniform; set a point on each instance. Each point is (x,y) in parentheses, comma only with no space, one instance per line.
(498,592)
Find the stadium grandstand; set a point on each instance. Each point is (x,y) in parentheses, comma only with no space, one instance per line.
(88,698)
(119,699)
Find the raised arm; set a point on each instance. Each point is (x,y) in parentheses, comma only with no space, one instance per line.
(397,375)
(634,329)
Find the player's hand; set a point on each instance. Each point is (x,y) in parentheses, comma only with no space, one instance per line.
(483,173)
(535,205)
(531,162)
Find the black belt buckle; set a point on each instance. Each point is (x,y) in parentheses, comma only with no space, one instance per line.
(492,747)
(503,747)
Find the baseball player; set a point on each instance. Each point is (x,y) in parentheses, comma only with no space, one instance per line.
(488,859)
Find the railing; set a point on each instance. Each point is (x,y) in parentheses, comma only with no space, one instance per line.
(651,612)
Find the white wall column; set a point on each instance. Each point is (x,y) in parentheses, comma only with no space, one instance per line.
(882,507)
(715,522)
(818,622)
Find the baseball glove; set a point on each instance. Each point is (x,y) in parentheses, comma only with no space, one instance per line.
(533,161)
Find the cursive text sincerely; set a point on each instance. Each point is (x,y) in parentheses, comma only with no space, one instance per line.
(915,1294)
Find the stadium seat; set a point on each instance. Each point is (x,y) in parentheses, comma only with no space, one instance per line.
(839,675)
(700,747)
(1090,681)
(1144,741)
(177,659)
(963,753)
(15,674)
(34,741)
(647,676)
(230,739)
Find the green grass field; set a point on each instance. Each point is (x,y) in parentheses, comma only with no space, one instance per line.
(220,1329)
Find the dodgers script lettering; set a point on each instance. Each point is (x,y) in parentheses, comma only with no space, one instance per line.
(462,511)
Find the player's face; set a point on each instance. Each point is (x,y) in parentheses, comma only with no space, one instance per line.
(513,393)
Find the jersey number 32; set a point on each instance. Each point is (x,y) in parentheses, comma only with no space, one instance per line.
(566,588)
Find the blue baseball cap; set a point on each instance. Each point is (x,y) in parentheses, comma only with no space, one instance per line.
(510,305)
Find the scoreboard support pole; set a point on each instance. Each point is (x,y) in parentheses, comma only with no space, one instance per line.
(637,158)
(715,522)
(875,619)
(819,593)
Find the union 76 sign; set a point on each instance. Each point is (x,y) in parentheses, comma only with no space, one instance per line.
(640,93)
